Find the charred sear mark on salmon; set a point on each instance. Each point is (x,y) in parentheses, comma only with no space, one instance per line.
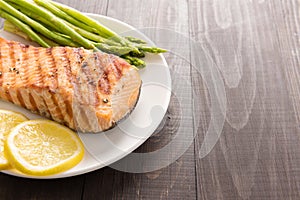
(118,66)
(38,72)
(84,65)
(49,50)
(96,57)
(24,46)
(68,64)
(53,69)
(80,54)
(10,44)
(104,85)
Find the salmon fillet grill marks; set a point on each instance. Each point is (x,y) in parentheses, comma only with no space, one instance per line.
(86,91)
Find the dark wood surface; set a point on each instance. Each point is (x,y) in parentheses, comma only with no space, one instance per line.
(254,46)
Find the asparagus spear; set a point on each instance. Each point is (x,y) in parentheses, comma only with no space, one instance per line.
(52,18)
(34,16)
(117,50)
(93,37)
(61,14)
(155,50)
(25,28)
(138,55)
(12,28)
(135,40)
(101,30)
(50,42)
(138,63)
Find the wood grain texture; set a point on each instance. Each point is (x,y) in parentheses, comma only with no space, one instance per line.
(254,46)
(19,188)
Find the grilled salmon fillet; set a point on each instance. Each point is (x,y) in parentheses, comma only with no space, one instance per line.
(86,91)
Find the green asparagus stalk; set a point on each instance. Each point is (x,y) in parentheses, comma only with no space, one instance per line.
(52,18)
(140,44)
(93,37)
(138,63)
(155,50)
(61,14)
(34,16)
(147,49)
(117,50)
(135,40)
(12,28)
(50,42)
(101,30)
(138,55)
(25,28)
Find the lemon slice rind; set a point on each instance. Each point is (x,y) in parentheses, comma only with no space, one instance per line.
(17,161)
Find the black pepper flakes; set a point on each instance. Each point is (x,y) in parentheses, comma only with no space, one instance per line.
(105,100)
(84,65)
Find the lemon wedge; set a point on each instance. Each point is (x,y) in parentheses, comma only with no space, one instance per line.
(43,147)
(8,120)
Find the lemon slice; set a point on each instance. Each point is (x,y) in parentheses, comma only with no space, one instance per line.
(8,120)
(43,147)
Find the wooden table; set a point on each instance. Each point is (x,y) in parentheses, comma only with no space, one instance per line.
(252,46)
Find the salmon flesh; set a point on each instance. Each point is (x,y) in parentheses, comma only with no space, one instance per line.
(84,90)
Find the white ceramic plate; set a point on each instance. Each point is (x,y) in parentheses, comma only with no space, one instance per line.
(103,149)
